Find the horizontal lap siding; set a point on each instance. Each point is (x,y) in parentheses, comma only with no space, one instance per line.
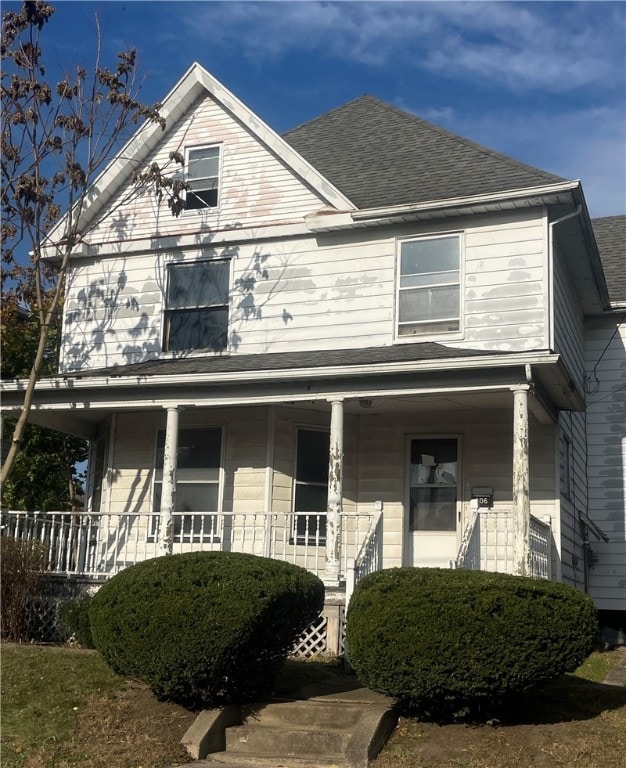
(255,186)
(605,353)
(312,293)
(572,425)
(568,321)
(505,301)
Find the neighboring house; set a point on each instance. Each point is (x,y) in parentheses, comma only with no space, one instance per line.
(369,339)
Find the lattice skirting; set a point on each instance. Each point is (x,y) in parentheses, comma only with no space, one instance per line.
(324,637)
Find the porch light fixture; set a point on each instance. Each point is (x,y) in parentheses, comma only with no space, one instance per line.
(365,403)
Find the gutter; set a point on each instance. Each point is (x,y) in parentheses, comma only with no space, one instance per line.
(321,221)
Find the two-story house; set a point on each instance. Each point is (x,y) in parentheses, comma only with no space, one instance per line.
(362,344)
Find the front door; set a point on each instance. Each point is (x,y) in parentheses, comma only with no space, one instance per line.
(433,501)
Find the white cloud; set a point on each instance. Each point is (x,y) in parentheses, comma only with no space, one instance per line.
(557,47)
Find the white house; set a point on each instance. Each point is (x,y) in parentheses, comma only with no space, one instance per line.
(367,340)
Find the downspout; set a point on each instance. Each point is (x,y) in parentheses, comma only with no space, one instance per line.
(551,226)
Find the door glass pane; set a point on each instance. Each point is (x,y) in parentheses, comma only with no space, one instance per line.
(433,484)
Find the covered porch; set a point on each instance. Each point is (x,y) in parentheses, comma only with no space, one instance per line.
(342,473)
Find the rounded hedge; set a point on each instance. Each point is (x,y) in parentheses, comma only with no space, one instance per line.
(204,628)
(442,640)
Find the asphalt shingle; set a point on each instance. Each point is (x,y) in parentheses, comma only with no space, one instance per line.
(610,232)
(276,361)
(378,155)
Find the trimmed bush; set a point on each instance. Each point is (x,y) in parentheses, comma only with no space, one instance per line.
(204,628)
(74,621)
(445,641)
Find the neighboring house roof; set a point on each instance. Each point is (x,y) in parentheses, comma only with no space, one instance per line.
(610,232)
(287,360)
(378,155)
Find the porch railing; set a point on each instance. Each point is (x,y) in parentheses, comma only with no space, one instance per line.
(488,544)
(369,557)
(99,545)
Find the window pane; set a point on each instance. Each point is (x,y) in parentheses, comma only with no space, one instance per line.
(311,498)
(428,304)
(203,163)
(204,329)
(198,199)
(201,284)
(424,256)
(197,448)
(312,456)
(197,497)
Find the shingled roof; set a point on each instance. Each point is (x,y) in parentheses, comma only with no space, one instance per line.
(378,155)
(277,361)
(610,232)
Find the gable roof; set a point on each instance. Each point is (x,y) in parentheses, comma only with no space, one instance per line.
(378,155)
(610,232)
(195,83)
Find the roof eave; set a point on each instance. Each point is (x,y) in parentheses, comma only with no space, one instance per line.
(528,197)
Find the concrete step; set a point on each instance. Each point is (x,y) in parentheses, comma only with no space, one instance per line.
(239,760)
(317,714)
(281,741)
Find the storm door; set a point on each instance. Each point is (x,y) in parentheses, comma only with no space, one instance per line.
(433,501)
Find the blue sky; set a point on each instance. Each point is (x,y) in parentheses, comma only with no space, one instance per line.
(544,82)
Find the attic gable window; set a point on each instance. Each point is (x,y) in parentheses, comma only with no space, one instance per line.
(429,288)
(203,170)
(196,306)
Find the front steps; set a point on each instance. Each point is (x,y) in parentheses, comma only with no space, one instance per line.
(345,729)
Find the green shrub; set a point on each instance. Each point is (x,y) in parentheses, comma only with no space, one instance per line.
(204,628)
(74,621)
(22,566)
(447,641)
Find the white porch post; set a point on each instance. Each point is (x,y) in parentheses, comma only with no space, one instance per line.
(168,486)
(335,494)
(521,480)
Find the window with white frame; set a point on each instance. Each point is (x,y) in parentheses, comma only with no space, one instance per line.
(429,286)
(198,474)
(310,497)
(203,172)
(196,306)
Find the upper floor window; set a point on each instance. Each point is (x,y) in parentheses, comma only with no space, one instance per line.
(196,306)
(429,286)
(203,167)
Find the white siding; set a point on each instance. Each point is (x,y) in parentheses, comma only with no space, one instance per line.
(605,348)
(329,292)
(256,188)
(573,500)
(568,321)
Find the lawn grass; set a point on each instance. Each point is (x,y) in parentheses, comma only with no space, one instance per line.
(63,708)
(43,688)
